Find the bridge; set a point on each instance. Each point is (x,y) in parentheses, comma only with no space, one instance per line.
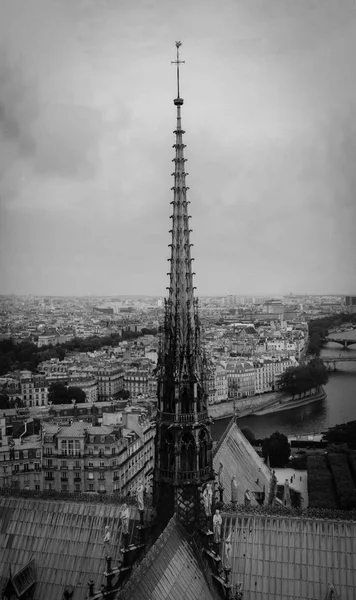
(343,342)
(330,361)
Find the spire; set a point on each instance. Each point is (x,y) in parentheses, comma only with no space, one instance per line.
(180,305)
(183,440)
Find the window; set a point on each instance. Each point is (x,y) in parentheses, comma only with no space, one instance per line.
(91,487)
(91,451)
(71,447)
(102,476)
(26,467)
(37,466)
(64,488)
(17,455)
(101,464)
(37,487)
(25,453)
(16,468)
(64,446)
(77,487)
(77,447)
(102,487)
(77,464)
(90,475)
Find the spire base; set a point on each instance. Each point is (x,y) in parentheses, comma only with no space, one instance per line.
(178,101)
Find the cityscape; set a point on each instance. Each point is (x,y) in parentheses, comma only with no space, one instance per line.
(179,445)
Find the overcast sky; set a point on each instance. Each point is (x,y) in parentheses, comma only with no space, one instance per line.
(86,134)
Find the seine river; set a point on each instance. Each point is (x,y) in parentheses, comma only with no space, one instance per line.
(338,407)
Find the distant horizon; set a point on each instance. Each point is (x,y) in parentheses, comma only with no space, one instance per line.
(239,294)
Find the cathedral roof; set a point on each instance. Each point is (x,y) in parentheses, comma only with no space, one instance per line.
(170,570)
(65,540)
(292,558)
(238,458)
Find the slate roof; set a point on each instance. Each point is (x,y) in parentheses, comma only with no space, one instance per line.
(170,569)
(239,458)
(64,538)
(290,558)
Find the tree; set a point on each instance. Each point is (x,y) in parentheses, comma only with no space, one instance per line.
(58,393)
(122,395)
(302,379)
(277,449)
(342,434)
(4,401)
(77,394)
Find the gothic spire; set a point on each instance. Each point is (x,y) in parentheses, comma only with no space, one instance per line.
(180,305)
(183,461)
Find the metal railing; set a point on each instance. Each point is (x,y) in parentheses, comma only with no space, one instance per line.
(185,475)
(183,418)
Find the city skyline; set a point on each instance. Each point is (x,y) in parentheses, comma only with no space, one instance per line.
(86,125)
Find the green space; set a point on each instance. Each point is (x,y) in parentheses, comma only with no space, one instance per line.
(304,378)
(27,356)
(319,329)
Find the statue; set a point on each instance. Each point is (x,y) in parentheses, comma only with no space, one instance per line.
(208,498)
(247,498)
(217,522)
(219,474)
(124,515)
(107,534)
(234,489)
(227,552)
(140,500)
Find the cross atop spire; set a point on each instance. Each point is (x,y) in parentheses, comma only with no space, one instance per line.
(178,62)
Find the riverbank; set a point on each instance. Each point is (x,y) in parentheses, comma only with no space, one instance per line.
(289,404)
(261,405)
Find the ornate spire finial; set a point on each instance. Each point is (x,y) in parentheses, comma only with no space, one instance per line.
(178,62)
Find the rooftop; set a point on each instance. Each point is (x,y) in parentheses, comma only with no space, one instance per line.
(291,558)
(65,539)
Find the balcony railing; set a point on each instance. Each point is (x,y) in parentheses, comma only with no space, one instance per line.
(183,418)
(185,475)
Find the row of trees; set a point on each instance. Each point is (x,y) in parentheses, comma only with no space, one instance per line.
(61,394)
(319,328)
(305,378)
(6,402)
(27,356)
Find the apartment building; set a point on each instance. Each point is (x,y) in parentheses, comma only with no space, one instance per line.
(139,382)
(88,384)
(34,389)
(110,379)
(89,458)
(268,373)
(20,464)
(241,379)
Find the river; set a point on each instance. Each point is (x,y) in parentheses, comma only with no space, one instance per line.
(338,407)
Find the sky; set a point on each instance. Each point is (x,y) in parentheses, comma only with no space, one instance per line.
(86,134)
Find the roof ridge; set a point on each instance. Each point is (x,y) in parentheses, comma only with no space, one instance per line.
(148,559)
(224,435)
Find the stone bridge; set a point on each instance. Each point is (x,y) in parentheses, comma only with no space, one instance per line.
(343,342)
